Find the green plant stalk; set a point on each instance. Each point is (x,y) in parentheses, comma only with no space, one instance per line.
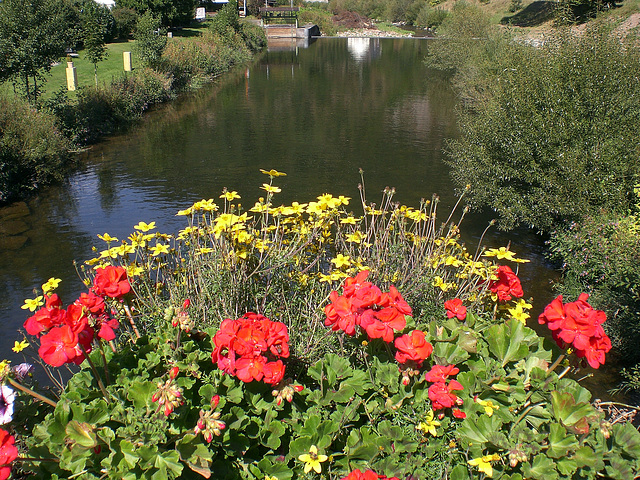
(105,394)
(127,310)
(31,392)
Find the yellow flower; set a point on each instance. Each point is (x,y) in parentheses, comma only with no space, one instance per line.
(158,249)
(429,425)
(503,253)
(205,205)
(355,237)
(312,460)
(5,369)
(145,227)
(188,211)
(20,346)
(270,188)
(273,173)
(134,270)
(519,314)
(348,220)
(488,405)
(107,238)
(341,261)
(230,196)
(483,463)
(31,305)
(50,285)
(110,253)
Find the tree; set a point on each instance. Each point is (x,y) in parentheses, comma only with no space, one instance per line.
(33,35)
(97,24)
(170,12)
(150,39)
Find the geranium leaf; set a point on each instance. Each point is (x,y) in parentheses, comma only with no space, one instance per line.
(81,434)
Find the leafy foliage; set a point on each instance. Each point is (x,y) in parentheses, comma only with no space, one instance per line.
(548,140)
(343,403)
(150,38)
(171,13)
(33,35)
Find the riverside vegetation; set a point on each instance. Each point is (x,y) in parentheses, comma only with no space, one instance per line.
(308,341)
(549,140)
(38,138)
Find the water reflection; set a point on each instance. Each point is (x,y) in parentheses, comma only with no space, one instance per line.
(362,49)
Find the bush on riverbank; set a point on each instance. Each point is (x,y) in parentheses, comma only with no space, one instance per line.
(549,139)
(33,152)
(435,379)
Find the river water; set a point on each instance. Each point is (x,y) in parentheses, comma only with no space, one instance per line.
(318,113)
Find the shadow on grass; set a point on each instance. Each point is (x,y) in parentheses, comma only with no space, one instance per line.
(534,14)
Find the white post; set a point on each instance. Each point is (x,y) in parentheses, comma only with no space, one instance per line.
(72,77)
(128,64)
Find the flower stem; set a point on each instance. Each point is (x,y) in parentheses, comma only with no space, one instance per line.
(31,392)
(105,394)
(556,363)
(127,310)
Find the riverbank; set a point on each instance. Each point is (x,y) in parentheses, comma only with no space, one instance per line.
(70,121)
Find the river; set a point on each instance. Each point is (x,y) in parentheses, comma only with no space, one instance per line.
(319,114)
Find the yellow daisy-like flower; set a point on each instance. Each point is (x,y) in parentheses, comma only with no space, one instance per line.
(145,227)
(188,211)
(230,196)
(273,173)
(5,369)
(518,313)
(50,285)
(312,460)
(158,249)
(134,270)
(270,188)
(107,238)
(341,261)
(429,425)
(33,304)
(348,221)
(20,346)
(503,253)
(356,237)
(488,406)
(484,463)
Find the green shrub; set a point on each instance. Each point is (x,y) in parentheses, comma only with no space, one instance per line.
(600,255)
(151,39)
(319,17)
(431,17)
(547,138)
(33,152)
(226,20)
(254,36)
(126,20)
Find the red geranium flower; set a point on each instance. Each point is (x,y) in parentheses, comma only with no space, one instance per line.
(440,373)
(367,475)
(91,302)
(8,453)
(507,286)
(47,317)
(111,282)
(455,308)
(59,346)
(412,347)
(580,325)
(442,396)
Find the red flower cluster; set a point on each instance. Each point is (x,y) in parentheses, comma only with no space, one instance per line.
(579,324)
(64,331)
(250,348)
(362,303)
(413,347)
(455,308)
(507,286)
(441,393)
(368,475)
(8,453)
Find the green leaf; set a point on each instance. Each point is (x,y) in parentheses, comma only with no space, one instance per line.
(195,454)
(586,457)
(507,341)
(459,472)
(130,457)
(81,434)
(570,413)
(169,461)
(627,437)
(568,466)
(276,430)
(560,443)
(140,393)
(542,468)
